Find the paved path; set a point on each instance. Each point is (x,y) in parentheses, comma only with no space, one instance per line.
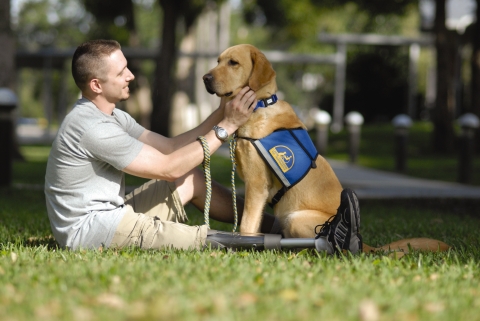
(375,184)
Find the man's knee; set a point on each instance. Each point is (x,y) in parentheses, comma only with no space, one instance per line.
(191,185)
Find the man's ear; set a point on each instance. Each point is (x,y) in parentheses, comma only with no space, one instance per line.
(95,86)
(262,72)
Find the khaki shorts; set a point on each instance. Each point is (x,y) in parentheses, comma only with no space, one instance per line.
(154,220)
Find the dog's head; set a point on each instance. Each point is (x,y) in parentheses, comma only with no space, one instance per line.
(239,66)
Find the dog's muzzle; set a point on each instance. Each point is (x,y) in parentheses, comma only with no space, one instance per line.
(208,81)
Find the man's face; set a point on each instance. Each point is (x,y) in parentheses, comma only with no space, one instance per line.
(118,77)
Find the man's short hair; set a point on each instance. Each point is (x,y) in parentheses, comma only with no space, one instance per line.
(87,62)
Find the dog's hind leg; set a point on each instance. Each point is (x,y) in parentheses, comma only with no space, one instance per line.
(301,224)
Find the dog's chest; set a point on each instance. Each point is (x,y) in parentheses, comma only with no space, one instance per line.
(266,120)
(289,154)
(256,127)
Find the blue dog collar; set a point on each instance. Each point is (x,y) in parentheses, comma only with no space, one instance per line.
(262,103)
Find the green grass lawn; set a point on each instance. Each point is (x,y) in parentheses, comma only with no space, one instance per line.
(39,281)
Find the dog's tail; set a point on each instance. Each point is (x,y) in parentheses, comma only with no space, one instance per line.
(422,244)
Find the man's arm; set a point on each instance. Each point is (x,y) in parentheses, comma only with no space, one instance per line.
(169,145)
(172,162)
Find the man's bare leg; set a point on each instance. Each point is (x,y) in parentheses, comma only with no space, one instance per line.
(192,188)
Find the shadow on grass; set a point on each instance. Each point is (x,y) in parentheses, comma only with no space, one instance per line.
(47,241)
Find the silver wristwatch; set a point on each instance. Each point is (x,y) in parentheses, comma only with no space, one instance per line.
(221,133)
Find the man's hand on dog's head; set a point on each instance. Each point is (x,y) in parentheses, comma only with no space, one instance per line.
(238,110)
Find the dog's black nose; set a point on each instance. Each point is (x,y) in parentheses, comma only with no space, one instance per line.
(208,81)
(207,78)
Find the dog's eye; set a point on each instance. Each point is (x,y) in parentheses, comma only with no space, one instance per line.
(232,63)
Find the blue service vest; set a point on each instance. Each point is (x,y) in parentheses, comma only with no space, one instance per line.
(290,154)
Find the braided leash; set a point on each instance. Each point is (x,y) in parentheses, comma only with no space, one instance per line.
(208,179)
(233,146)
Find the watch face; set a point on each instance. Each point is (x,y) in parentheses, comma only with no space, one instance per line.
(222,133)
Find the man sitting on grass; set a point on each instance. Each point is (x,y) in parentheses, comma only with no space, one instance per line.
(97,143)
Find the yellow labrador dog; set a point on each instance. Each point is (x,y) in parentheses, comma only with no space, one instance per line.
(312,200)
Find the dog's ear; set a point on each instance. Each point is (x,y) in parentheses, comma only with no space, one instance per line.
(262,72)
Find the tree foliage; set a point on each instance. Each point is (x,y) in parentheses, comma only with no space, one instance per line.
(280,13)
(114,19)
(376,75)
(48,23)
(295,20)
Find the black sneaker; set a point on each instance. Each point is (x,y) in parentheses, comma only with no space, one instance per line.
(342,231)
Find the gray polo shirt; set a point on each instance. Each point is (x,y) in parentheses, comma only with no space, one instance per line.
(84,182)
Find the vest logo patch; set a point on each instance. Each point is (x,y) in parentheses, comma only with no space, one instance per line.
(283,156)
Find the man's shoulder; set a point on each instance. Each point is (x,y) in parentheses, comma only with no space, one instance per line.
(82,118)
(85,114)
(83,106)
(122,116)
(81,112)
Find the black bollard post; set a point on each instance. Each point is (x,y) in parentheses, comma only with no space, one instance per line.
(469,123)
(322,121)
(354,121)
(402,123)
(8,102)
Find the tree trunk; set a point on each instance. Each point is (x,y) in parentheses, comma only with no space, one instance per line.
(475,67)
(7,54)
(444,112)
(7,62)
(162,84)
